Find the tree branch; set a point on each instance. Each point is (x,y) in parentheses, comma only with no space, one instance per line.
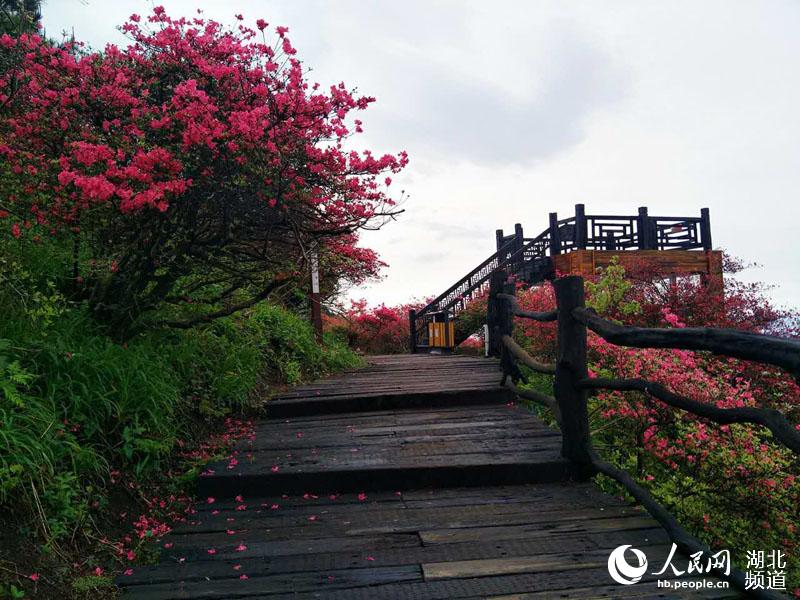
(208,317)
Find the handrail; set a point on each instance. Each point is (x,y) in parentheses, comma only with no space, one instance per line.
(466,277)
(569,404)
(526,359)
(511,258)
(776,351)
(539,398)
(550,315)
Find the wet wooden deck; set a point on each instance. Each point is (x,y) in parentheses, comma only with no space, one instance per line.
(413,478)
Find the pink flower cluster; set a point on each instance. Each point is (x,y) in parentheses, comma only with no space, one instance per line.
(184,110)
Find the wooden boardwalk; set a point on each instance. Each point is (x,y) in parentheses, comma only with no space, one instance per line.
(416,477)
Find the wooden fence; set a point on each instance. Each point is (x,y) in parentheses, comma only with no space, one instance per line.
(571,385)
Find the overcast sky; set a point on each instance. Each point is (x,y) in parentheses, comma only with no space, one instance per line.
(511,110)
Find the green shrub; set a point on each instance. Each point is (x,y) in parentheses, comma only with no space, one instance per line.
(74,404)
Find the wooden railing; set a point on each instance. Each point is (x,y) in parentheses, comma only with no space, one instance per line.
(572,384)
(528,258)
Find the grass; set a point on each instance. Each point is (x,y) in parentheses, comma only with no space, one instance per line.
(79,411)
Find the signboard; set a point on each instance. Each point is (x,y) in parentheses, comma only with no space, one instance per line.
(314,272)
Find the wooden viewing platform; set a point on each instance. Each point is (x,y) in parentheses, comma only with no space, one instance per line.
(416,477)
(576,245)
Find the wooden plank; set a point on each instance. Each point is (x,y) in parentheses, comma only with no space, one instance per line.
(666,262)
(448,536)
(503,566)
(469,470)
(647,590)
(274,585)
(266,562)
(550,584)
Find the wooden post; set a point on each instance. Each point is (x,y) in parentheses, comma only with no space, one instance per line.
(412,325)
(498,235)
(611,243)
(518,243)
(316,311)
(580,227)
(570,368)
(505,326)
(496,281)
(705,229)
(555,237)
(713,279)
(505,318)
(643,225)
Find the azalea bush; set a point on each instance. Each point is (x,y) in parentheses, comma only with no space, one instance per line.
(385,329)
(730,484)
(187,175)
(373,329)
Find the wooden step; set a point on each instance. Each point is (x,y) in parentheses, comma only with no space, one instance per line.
(396,383)
(495,444)
(389,400)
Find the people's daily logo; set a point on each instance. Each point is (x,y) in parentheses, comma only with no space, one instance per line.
(621,570)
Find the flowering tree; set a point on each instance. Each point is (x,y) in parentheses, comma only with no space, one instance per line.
(194,168)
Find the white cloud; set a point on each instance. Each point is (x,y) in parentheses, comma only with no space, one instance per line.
(511,110)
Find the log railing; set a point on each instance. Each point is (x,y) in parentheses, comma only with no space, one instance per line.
(572,384)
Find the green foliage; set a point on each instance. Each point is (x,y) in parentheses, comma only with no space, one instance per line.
(31,294)
(289,345)
(75,404)
(11,592)
(90,586)
(19,16)
(610,294)
(471,320)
